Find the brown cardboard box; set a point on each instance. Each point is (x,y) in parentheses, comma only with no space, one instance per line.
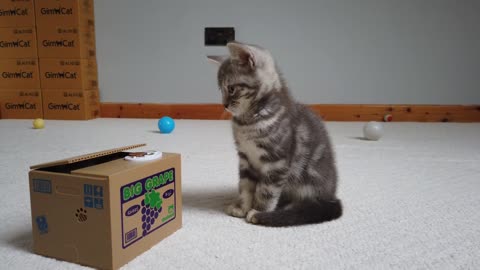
(17,13)
(18,42)
(68,74)
(70,104)
(89,209)
(21,104)
(51,13)
(66,42)
(19,74)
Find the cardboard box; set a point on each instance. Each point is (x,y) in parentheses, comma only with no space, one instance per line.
(19,74)
(21,104)
(66,42)
(68,74)
(51,13)
(17,13)
(73,104)
(18,42)
(102,210)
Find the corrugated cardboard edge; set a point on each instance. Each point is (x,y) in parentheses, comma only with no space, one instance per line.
(86,157)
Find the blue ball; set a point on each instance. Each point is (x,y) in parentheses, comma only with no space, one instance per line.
(166,124)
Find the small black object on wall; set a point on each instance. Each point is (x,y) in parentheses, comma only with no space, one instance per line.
(219,36)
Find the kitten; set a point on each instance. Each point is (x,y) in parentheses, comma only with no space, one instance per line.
(287,167)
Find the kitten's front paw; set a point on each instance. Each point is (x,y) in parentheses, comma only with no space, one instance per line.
(251,216)
(236,211)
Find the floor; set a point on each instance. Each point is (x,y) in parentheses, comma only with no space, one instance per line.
(412,199)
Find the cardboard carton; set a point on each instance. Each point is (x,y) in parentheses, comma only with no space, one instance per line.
(102,210)
(73,104)
(17,13)
(19,74)
(64,12)
(18,42)
(68,74)
(66,42)
(21,104)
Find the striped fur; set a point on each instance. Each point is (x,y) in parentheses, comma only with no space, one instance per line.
(286,163)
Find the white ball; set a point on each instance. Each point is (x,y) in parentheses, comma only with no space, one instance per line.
(373,131)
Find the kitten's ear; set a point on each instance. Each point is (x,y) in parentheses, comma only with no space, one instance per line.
(242,53)
(216,59)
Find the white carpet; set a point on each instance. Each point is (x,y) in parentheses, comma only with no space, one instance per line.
(412,199)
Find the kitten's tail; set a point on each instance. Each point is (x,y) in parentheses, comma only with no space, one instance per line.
(302,213)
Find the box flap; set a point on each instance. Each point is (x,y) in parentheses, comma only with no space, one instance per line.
(118,166)
(86,157)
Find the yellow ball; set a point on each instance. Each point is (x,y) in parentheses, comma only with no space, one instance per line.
(38,123)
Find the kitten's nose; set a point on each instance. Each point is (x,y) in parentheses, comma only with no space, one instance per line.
(225,105)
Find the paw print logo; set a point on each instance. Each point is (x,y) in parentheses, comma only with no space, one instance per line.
(81,215)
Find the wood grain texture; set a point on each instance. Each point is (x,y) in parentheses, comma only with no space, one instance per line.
(400,113)
(177,111)
(340,112)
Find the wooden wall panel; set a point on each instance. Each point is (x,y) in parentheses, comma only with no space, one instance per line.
(341,112)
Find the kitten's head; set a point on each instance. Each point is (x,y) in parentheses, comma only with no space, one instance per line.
(245,76)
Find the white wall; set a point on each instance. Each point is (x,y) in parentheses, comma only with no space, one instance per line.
(331,51)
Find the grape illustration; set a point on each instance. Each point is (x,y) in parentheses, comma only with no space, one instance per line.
(143,210)
(153,199)
(144,217)
(156,214)
(152,221)
(148,211)
(144,225)
(148,227)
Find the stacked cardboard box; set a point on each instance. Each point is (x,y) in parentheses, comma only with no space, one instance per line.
(20,95)
(68,66)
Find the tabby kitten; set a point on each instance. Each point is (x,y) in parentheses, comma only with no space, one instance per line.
(287,167)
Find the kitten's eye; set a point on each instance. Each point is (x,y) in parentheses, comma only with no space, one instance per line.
(231,89)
